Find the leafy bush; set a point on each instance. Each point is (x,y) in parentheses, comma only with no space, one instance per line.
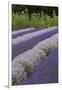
(23,21)
(28,69)
(14,81)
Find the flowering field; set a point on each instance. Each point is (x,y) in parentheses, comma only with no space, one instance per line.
(31,48)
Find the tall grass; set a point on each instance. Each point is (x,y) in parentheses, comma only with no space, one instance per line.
(22,20)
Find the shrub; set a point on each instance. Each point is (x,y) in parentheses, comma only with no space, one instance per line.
(28,69)
(23,64)
(23,21)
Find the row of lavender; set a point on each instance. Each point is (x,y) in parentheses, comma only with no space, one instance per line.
(27,41)
(45,72)
(24,63)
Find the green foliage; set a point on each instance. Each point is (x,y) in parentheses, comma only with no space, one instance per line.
(28,69)
(23,21)
(14,81)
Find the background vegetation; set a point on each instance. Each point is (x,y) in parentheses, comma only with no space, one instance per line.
(24,16)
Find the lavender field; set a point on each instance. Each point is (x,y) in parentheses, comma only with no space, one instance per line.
(35,56)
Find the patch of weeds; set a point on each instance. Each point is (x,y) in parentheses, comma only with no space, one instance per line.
(14,81)
(28,69)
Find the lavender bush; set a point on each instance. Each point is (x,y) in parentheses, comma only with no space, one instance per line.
(32,35)
(22,30)
(32,58)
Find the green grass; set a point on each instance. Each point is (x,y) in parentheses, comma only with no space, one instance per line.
(22,21)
